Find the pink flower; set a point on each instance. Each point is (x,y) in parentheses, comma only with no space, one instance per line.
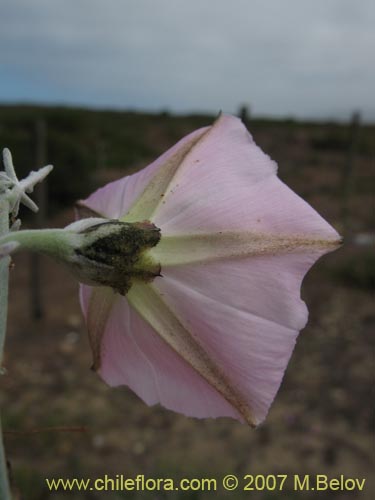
(213,334)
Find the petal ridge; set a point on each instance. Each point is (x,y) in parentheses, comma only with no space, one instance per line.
(184,249)
(147,203)
(99,308)
(147,301)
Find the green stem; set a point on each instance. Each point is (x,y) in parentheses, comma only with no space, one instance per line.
(4,275)
(55,242)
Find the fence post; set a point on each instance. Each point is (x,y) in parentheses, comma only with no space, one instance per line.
(348,171)
(40,131)
(244,114)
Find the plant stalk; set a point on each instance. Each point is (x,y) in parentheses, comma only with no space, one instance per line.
(4,276)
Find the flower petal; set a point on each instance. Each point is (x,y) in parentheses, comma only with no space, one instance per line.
(185,342)
(227,183)
(97,304)
(134,354)
(208,247)
(247,328)
(247,313)
(141,192)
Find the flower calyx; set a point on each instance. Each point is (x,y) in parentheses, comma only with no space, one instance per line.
(114,253)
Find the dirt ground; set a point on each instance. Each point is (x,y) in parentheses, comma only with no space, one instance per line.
(320,423)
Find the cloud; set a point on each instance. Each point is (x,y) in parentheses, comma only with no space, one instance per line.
(302,58)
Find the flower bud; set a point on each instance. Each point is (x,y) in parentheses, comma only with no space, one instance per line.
(114,253)
(100,252)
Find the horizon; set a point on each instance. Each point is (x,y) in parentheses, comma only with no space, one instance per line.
(209,114)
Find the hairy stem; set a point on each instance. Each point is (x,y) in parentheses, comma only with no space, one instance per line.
(55,242)
(4,274)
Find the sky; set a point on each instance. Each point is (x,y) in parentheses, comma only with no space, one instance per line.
(285,58)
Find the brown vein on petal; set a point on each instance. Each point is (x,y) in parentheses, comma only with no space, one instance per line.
(147,203)
(100,306)
(208,247)
(149,304)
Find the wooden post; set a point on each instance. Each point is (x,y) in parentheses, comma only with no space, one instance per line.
(244,114)
(348,171)
(37,311)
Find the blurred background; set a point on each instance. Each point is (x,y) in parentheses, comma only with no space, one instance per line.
(100,90)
